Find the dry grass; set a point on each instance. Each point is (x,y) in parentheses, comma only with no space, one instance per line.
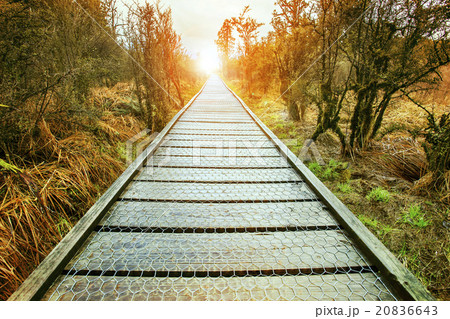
(42,201)
(403,158)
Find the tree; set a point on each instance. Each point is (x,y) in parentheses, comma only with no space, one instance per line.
(294,41)
(113,15)
(331,74)
(51,54)
(399,47)
(390,48)
(225,43)
(247,29)
(157,56)
(172,51)
(263,66)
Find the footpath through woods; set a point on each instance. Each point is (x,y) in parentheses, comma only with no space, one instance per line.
(217,208)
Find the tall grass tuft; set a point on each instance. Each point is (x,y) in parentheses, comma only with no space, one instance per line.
(404,159)
(44,194)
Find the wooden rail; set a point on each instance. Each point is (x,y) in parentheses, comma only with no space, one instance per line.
(218,208)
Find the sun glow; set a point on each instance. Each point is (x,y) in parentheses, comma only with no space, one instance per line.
(208,61)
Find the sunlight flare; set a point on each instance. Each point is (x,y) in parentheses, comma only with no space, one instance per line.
(208,61)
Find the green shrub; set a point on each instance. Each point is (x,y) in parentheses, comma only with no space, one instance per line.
(330,173)
(379,195)
(345,187)
(316,169)
(368,221)
(415,217)
(380,228)
(334,170)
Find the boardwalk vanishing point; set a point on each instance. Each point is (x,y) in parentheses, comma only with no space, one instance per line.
(218,208)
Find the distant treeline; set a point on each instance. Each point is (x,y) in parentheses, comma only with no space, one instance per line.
(350,59)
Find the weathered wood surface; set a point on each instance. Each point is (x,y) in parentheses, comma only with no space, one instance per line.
(225,143)
(216,175)
(217,152)
(226,162)
(226,252)
(215,132)
(218,126)
(341,287)
(211,115)
(189,137)
(216,120)
(166,215)
(166,191)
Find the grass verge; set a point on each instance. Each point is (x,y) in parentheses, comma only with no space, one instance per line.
(42,195)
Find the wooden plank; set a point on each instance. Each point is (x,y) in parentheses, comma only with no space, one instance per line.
(219,126)
(225,252)
(213,113)
(215,132)
(216,102)
(218,111)
(218,152)
(226,138)
(219,96)
(229,215)
(342,287)
(218,144)
(216,105)
(212,117)
(42,277)
(217,175)
(218,192)
(399,277)
(220,121)
(206,161)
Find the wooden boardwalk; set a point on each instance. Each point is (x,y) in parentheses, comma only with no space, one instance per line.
(217,208)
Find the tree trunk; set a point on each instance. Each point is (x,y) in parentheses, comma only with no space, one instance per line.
(293,110)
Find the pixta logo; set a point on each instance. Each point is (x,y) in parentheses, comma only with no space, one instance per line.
(138,143)
(309,152)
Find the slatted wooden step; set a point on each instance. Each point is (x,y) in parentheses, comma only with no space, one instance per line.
(205,161)
(339,287)
(207,192)
(285,215)
(218,175)
(217,152)
(224,143)
(218,126)
(226,138)
(225,252)
(215,132)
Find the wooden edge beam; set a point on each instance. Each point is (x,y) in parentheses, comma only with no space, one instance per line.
(40,280)
(399,278)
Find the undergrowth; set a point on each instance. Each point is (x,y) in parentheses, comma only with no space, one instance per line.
(415,216)
(333,171)
(386,185)
(379,195)
(45,192)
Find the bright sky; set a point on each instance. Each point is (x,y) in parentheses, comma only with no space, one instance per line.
(198,21)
